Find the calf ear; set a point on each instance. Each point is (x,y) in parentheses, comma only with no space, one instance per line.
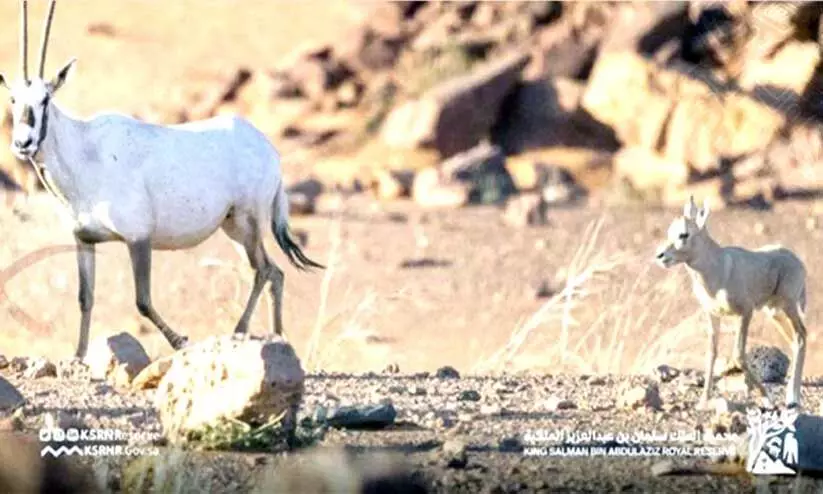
(690,209)
(703,215)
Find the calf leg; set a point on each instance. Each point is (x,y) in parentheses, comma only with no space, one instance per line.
(140,253)
(711,357)
(793,392)
(752,381)
(85,270)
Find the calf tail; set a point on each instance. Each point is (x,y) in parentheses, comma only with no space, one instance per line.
(280,229)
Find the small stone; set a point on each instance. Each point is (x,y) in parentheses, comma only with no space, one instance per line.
(469,395)
(510,445)
(40,368)
(3,362)
(454,447)
(554,403)
(19,364)
(490,409)
(418,391)
(641,396)
(664,467)
(666,373)
(811,223)
(597,381)
(447,372)
(759,228)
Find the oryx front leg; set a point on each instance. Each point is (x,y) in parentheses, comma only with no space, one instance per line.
(140,253)
(85,270)
(711,357)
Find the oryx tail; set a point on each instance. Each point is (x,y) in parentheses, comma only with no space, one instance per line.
(280,229)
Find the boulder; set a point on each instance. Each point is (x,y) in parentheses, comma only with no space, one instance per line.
(674,112)
(786,80)
(229,377)
(118,358)
(546,113)
(644,27)
(563,51)
(457,114)
(646,170)
(366,49)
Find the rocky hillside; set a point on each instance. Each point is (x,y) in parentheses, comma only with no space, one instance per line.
(460,102)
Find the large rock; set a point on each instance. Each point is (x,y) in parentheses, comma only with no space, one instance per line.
(644,27)
(646,170)
(546,113)
(563,50)
(676,114)
(785,80)
(118,357)
(457,114)
(229,377)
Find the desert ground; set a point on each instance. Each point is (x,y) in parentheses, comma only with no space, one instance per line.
(407,290)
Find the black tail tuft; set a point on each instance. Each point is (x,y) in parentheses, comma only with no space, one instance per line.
(293,251)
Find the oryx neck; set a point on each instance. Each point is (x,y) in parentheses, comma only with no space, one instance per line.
(58,151)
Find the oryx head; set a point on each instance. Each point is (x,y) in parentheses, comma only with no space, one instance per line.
(685,236)
(30,96)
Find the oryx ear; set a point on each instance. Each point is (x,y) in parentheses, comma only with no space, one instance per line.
(62,75)
(703,214)
(690,209)
(3,81)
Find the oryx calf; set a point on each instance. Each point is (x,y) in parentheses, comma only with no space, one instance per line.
(733,281)
(153,187)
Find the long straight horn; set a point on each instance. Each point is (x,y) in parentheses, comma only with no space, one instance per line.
(24,39)
(45,41)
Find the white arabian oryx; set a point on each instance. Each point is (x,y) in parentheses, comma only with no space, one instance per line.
(733,281)
(152,187)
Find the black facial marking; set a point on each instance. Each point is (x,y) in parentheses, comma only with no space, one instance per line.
(28,116)
(683,236)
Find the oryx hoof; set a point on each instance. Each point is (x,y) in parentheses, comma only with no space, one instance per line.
(182,343)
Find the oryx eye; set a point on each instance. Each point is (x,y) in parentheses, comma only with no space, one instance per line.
(683,236)
(12,100)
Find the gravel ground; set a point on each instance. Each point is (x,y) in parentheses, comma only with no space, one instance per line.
(461,434)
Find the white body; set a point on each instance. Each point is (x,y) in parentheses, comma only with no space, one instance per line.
(173,184)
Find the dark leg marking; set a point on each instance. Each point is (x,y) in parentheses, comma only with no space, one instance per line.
(140,253)
(86,274)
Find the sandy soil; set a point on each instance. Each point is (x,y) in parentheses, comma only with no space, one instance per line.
(419,290)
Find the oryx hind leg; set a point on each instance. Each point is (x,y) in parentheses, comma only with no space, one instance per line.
(246,232)
(140,253)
